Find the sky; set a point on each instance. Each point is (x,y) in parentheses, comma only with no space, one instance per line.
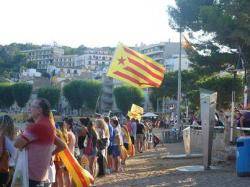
(93,23)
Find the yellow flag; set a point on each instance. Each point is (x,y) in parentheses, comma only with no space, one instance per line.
(135,69)
(136,109)
(134,115)
(135,112)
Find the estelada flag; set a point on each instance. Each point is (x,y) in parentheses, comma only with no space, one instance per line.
(135,69)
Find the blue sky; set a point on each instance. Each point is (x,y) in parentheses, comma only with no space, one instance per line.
(94,23)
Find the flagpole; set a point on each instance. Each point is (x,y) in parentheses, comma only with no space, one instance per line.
(179,87)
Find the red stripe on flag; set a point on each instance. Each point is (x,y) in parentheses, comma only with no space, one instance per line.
(149,81)
(162,70)
(78,172)
(132,61)
(125,76)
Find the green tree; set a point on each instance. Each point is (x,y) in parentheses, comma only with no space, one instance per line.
(22,92)
(92,90)
(223,86)
(227,19)
(125,96)
(12,58)
(30,64)
(227,22)
(6,95)
(170,83)
(74,93)
(52,94)
(79,93)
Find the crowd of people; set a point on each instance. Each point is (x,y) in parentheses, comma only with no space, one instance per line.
(100,144)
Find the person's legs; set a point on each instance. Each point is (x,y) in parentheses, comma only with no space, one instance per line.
(141,143)
(4,178)
(138,143)
(92,164)
(11,173)
(67,178)
(132,140)
(59,175)
(110,159)
(116,155)
(145,145)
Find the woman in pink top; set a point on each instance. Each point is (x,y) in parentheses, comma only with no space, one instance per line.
(39,139)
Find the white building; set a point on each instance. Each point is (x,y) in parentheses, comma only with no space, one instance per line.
(30,73)
(167,53)
(95,59)
(44,57)
(172,64)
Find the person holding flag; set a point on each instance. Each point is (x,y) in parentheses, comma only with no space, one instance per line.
(39,138)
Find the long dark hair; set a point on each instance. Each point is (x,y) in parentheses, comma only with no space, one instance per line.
(7,125)
(44,105)
(69,121)
(85,121)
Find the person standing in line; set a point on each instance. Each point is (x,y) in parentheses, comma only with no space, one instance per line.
(116,151)
(133,131)
(111,140)
(90,145)
(82,134)
(126,143)
(128,125)
(140,133)
(7,150)
(61,172)
(103,143)
(39,139)
(103,133)
(68,123)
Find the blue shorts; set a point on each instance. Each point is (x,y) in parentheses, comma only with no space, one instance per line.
(116,151)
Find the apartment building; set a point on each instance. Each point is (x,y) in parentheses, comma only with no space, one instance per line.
(44,57)
(166,53)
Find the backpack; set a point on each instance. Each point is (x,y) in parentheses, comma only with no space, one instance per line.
(4,158)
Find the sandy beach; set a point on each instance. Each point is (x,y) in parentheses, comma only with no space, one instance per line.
(151,168)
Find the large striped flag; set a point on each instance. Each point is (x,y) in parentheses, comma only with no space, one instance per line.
(136,69)
(80,176)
